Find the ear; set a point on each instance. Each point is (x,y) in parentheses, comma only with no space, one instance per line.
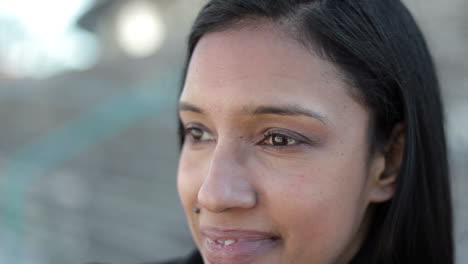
(386,166)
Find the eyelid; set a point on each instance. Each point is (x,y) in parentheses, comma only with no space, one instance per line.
(288,133)
(196,125)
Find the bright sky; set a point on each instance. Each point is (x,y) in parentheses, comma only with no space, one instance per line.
(51,35)
(46,18)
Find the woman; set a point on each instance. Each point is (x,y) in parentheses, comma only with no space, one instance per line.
(312,132)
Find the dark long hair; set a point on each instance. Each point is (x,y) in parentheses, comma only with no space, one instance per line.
(380,50)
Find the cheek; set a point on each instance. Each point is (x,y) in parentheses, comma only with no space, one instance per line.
(318,208)
(189,177)
(188,182)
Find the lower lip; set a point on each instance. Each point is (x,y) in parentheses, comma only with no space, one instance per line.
(240,252)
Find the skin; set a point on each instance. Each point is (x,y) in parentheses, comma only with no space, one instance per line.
(315,192)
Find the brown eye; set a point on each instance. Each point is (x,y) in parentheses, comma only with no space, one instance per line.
(198,134)
(279,140)
(276,139)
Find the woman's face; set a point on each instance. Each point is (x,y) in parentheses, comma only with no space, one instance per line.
(276,153)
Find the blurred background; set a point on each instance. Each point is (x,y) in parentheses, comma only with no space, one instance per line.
(88,146)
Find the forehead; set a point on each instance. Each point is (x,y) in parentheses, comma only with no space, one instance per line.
(260,65)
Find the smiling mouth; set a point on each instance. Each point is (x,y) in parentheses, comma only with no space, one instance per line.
(236,246)
(228,242)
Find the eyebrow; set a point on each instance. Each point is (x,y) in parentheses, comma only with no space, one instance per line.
(286,110)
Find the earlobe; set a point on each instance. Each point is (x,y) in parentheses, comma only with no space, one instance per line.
(391,158)
(384,188)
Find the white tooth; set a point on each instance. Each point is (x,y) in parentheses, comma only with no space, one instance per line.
(229,242)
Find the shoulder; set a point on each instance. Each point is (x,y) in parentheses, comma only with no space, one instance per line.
(193,258)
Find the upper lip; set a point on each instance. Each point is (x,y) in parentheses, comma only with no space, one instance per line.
(215,233)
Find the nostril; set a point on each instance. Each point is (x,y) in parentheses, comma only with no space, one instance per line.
(210,199)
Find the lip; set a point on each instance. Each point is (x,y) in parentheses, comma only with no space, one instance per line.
(249,245)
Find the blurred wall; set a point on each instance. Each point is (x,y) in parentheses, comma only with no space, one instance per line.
(88,158)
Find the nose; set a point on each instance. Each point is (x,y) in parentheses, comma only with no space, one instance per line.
(227,184)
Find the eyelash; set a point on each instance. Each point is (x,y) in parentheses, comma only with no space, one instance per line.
(272,134)
(267,136)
